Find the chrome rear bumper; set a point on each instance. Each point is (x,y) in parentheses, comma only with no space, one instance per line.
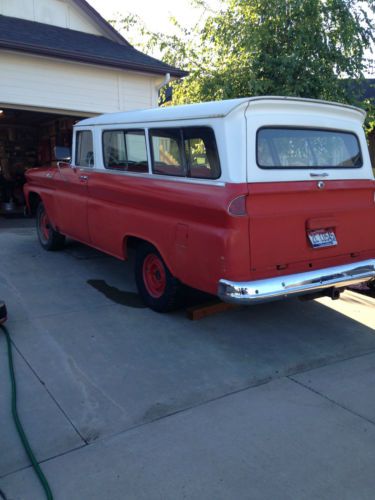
(249,292)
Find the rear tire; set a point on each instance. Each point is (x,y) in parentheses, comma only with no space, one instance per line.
(48,237)
(159,290)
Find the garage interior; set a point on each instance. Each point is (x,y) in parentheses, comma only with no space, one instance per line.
(27,140)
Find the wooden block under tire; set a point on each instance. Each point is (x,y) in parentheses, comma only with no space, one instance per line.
(208,309)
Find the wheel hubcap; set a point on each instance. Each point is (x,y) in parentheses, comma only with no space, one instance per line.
(154,276)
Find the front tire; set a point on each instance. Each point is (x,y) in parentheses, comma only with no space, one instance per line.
(158,289)
(48,237)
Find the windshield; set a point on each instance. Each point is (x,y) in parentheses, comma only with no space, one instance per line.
(307,148)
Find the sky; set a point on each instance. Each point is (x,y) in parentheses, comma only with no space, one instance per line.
(154,14)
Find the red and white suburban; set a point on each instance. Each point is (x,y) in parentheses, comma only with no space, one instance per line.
(250,199)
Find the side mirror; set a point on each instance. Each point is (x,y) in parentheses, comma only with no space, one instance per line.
(63,154)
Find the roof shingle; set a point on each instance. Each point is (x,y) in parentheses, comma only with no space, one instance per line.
(44,39)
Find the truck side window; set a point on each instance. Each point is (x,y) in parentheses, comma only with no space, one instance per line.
(84,149)
(201,153)
(186,151)
(125,150)
(167,152)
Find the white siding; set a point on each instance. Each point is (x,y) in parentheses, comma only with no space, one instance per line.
(136,91)
(39,82)
(55,12)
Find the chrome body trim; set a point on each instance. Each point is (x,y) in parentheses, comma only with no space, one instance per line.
(152,176)
(251,292)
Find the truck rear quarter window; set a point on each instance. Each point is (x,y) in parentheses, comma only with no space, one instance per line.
(307,148)
(125,150)
(185,151)
(84,149)
(167,152)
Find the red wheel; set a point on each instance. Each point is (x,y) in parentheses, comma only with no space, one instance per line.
(48,237)
(44,226)
(157,287)
(154,276)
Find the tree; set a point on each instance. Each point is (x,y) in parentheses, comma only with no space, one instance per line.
(276,47)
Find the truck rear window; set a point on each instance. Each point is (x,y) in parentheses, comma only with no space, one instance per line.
(307,148)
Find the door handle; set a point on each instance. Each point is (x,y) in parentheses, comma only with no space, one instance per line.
(323,174)
(83,177)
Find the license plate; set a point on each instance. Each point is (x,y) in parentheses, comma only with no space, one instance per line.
(322,238)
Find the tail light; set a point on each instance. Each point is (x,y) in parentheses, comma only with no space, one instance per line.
(237,207)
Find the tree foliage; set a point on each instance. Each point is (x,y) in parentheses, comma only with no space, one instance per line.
(268,47)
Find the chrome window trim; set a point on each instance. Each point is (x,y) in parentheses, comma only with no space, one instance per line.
(158,177)
(148,148)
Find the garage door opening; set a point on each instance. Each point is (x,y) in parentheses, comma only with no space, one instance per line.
(27,140)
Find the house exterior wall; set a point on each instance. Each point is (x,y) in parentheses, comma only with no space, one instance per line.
(62,86)
(60,13)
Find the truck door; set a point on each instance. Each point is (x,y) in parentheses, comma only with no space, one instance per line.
(71,183)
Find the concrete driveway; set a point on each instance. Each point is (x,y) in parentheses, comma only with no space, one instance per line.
(274,401)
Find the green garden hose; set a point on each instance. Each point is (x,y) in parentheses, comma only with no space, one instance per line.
(18,424)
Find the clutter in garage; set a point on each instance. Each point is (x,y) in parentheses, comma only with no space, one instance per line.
(27,140)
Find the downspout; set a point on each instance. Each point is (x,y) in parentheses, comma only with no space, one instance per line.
(166,80)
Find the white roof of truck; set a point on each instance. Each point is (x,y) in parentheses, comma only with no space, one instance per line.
(213,109)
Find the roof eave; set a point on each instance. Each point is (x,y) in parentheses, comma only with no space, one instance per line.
(110,63)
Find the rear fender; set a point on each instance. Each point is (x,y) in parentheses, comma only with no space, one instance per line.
(132,240)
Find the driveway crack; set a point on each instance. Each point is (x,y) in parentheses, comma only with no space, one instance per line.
(42,383)
(343,407)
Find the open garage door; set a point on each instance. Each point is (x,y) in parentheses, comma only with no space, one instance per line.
(27,140)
